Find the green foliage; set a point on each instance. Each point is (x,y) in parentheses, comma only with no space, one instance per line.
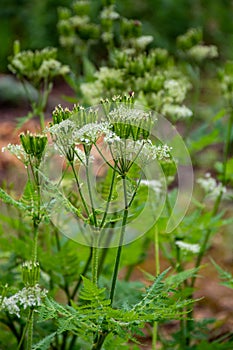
(44,344)
(88,305)
(225,277)
(96,315)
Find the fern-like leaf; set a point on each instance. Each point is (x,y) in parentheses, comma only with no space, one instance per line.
(44,344)
(92,294)
(6,198)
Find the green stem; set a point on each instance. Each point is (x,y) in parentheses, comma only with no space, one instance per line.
(79,189)
(90,193)
(119,249)
(95,256)
(154,336)
(157,262)
(95,259)
(27,325)
(30,330)
(35,242)
(105,160)
(109,197)
(157,271)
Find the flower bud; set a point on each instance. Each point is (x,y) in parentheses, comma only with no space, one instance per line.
(30,273)
(33,145)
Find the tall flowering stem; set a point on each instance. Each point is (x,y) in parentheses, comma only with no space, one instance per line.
(157,270)
(119,249)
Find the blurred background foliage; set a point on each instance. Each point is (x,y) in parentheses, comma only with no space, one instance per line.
(34,23)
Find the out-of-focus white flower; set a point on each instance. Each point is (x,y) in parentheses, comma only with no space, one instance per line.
(107,37)
(52,67)
(109,13)
(193,248)
(91,91)
(179,112)
(18,151)
(210,186)
(176,89)
(143,41)
(201,52)
(106,74)
(155,185)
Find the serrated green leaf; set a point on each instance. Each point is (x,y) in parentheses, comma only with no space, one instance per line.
(44,344)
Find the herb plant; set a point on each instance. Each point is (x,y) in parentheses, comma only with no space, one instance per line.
(106,183)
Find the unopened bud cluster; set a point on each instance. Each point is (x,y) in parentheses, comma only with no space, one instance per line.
(33,145)
(30,273)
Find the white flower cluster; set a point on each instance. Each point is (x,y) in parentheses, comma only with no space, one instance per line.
(175,90)
(201,52)
(62,135)
(109,13)
(111,137)
(127,114)
(155,185)
(143,41)
(27,297)
(91,91)
(91,132)
(140,151)
(210,186)
(52,67)
(18,151)
(179,112)
(227,86)
(193,248)
(106,74)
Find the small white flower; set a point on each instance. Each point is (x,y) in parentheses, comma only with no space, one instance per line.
(27,297)
(127,114)
(155,185)
(63,136)
(111,137)
(175,89)
(210,186)
(109,13)
(18,151)
(31,296)
(143,41)
(179,112)
(91,132)
(10,305)
(201,52)
(193,248)
(140,151)
(109,74)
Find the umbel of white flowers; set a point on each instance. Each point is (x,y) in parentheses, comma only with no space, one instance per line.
(27,297)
